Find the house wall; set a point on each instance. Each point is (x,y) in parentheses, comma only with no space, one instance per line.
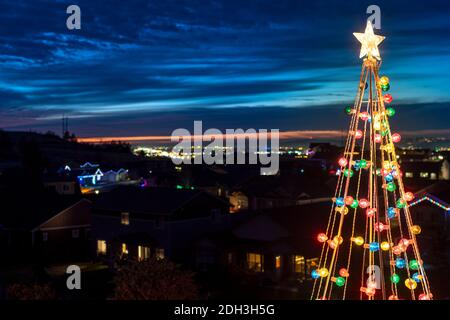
(175,237)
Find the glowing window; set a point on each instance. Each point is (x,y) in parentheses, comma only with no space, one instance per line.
(255,262)
(424,174)
(124,249)
(409,174)
(299,264)
(125,218)
(278,262)
(101,247)
(143,253)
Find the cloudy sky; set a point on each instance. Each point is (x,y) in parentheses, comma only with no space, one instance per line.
(149,67)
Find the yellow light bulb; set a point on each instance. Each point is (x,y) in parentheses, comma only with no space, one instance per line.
(416,229)
(384,80)
(323,272)
(410,284)
(385,246)
(338,239)
(359,241)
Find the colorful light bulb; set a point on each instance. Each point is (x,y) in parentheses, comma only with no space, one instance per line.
(391,212)
(410,284)
(363,163)
(358,134)
(343,162)
(396,250)
(374,246)
(323,272)
(370,212)
(315,274)
(384,81)
(363,203)
(378,138)
(396,138)
(390,112)
(340,201)
(364,116)
(424,296)
(348,200)
(340,281)
(416,229)
(401,203)
(395,278)
(413,264)
(408,196)
(322,237)
(348,173)
(385,246)
(391,187)
(348,110)
(417,277)
(343,272)
(387,98)
(359,241)
(400,263)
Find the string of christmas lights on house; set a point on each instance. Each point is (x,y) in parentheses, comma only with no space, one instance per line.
(438,203)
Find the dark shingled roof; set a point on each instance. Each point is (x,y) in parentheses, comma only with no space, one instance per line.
(158,201)
(28,210)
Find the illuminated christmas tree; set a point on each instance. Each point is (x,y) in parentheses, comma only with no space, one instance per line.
(369,246)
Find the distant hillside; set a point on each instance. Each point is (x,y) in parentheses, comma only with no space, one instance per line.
(56,151)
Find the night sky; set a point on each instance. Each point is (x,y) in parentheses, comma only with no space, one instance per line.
(149,67)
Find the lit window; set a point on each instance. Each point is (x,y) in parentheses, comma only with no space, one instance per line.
(311,264)
(75,233)
(255,262)
(409,174)
(44,236)
(159,254)
(101,247)
(424,174)
(125,218)
(124,250)
(299,266)
(433,176)
(278,262)
(143,253)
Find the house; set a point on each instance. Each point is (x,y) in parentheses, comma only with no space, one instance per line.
(162,222)
(267,192)
(430,210)
(62,184)
(426,170)
(44,225)
(65,234)
(276,245)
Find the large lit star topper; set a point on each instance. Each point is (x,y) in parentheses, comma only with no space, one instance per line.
(369,42)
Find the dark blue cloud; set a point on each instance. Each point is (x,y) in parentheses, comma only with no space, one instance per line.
(134,61)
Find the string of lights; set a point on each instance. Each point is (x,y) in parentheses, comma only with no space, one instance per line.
(370,181)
